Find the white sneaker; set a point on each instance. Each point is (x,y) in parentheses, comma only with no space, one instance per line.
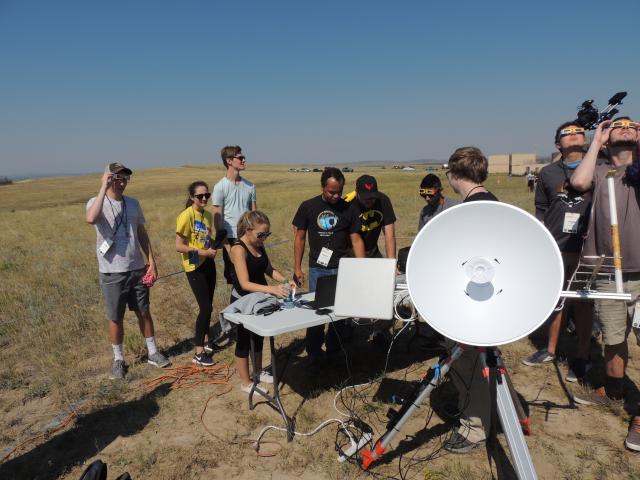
(247,388)
(266,377)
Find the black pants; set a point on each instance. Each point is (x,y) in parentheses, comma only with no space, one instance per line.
(203,282)
(243,340)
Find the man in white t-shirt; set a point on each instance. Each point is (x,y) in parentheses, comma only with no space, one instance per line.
(120,237)
(233,195)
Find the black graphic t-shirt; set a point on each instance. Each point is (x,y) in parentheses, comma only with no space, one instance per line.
(372,221)
(327,226)
(563,210)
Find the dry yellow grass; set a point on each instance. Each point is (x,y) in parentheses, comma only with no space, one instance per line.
(55,349)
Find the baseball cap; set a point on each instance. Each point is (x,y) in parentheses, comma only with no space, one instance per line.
(367,188)
(116,167)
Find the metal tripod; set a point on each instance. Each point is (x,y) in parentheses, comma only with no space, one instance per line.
(511,419)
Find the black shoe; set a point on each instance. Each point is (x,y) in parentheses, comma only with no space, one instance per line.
(203,359)
(459,444)
(381,339)
(314,365)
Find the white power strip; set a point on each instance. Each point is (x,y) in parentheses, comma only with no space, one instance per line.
(366,438)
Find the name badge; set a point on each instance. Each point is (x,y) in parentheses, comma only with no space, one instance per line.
(106,245)
(570,224)
(324,257)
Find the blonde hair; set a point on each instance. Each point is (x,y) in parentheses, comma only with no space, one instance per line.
(249,221)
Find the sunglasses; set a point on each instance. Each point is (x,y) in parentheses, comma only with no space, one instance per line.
(262,235)
(242,158)
(117,177)
(624,124)
(571,131)
(203,196)
(430,192)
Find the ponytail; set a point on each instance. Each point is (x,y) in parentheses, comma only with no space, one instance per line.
(192,191)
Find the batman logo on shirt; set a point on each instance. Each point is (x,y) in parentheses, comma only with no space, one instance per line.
(370,220)
(327,220)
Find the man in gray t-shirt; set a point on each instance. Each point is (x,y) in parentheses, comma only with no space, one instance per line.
(621,139)
(232,196)
(124,279)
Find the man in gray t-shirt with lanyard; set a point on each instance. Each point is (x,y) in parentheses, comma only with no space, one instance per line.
(124,279)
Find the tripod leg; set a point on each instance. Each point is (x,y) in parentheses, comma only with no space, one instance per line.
(525,421)
(423,391)
(513,431)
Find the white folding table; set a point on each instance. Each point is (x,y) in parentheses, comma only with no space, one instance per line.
(277,323)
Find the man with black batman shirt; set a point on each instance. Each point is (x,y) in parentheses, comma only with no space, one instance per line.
(376,215)
(331,223)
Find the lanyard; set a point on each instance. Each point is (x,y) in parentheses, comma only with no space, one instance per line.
(120,219)
(193,224)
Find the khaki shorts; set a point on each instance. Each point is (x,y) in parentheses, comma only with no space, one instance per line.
(614,316)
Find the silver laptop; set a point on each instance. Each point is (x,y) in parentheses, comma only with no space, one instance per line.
(365,288)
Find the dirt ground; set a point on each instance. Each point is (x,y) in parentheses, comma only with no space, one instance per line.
(168,434)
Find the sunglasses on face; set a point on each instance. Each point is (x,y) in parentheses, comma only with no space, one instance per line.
(118,177)
(202,196)
(242,158)
(571,131)
(262,235)
(429,192)
(624,124)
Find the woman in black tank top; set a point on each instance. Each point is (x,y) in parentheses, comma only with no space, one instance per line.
(256,268)
(250,264)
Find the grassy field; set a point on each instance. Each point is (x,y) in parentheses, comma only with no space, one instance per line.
(55,352)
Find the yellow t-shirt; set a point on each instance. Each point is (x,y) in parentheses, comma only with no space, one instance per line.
(196,227)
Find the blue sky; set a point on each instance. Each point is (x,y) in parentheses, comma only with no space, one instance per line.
(155,83)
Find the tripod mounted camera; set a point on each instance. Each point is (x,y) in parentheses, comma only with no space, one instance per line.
(589,117)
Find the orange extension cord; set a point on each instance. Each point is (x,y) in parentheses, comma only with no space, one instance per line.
(186,376)
(189,376)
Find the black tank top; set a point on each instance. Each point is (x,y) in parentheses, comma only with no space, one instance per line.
(256,266)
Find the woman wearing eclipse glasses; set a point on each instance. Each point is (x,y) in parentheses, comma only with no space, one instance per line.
(194,243)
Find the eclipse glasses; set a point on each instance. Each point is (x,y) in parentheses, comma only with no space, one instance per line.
(624,124)
(571,131)
(429,192)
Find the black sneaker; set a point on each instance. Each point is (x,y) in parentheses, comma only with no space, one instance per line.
(459,444)
(203,359)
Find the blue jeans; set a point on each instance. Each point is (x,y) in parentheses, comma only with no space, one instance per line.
(315,335)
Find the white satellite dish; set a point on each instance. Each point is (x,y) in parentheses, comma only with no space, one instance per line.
(485,273)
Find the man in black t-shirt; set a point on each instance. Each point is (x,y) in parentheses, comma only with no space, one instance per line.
(376,215)
(565,212)
(330,223)
(468,168)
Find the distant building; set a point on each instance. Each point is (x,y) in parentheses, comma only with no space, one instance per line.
(514,163)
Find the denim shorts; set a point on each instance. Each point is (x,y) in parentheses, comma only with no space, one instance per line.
(122,289)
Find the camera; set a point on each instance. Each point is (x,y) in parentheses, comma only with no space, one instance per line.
(589,117)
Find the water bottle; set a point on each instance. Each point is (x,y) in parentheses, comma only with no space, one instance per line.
(288,302)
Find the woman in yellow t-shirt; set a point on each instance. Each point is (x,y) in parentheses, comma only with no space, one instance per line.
(193,242)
